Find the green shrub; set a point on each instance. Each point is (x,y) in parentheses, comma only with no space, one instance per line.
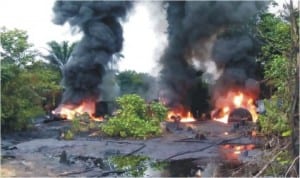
(68,135)
(135,165)
(274,121)
(22,94)
(135,118)
(158,111)
(280,165)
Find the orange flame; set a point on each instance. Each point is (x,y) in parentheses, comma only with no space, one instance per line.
(183,115)
(69,111)
(233,151)
(232,101)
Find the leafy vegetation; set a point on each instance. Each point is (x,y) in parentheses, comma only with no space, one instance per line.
(16,49)
(275,121)
(280,165)
(135,118)
(60,53)
(280,58)
(24,93)
(136,165)
(139,83)
(26,84)
(79,124)
(279,72)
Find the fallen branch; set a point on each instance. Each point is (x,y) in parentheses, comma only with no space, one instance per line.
(112,172)
(202,149)
(121,142)
(74,172)
(183,139)
(289,169)
(134,151)
(137,150)
(194,141)
(272,159)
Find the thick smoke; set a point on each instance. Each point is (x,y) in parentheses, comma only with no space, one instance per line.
(201,31)
(102,38)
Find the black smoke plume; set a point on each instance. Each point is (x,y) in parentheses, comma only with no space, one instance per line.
(102,38)
(208,30)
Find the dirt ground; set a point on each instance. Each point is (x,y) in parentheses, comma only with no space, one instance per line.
(39,152)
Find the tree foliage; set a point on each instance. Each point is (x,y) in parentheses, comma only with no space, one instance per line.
(275,120)
(60,53)
(15,46)
(135,118)
(279,71)
(132,82)
(24,85)
(23,92)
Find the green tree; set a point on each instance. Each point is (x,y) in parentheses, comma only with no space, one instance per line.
(132,82)
(25,82)
(60,53)
(280,59)
(23,92)
(279,68)
(15,47)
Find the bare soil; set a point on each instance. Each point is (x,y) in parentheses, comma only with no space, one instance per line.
(38,152)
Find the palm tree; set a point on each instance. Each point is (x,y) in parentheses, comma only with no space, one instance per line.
(60,53)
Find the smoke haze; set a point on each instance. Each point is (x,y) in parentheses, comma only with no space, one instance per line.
(203,36)
(99,21)
(199,31)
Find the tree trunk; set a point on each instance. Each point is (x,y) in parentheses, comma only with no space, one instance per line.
(295,59)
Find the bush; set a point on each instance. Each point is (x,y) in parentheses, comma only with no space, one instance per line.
(135,118)
(25,81)
(274,121)
(19,103)
(22,94)
(135,165)
(68,135)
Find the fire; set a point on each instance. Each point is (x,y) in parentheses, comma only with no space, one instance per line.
(232,152)
(183,115)
(69,111)
(233,100)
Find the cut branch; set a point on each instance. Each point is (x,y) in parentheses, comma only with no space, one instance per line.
(291,166)
(75,172)
(272,159)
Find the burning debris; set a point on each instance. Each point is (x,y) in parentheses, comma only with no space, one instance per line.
(233,152)
(211,32)
(70,111)
(99,21)
(180,114)
(214,37)
(234,106)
